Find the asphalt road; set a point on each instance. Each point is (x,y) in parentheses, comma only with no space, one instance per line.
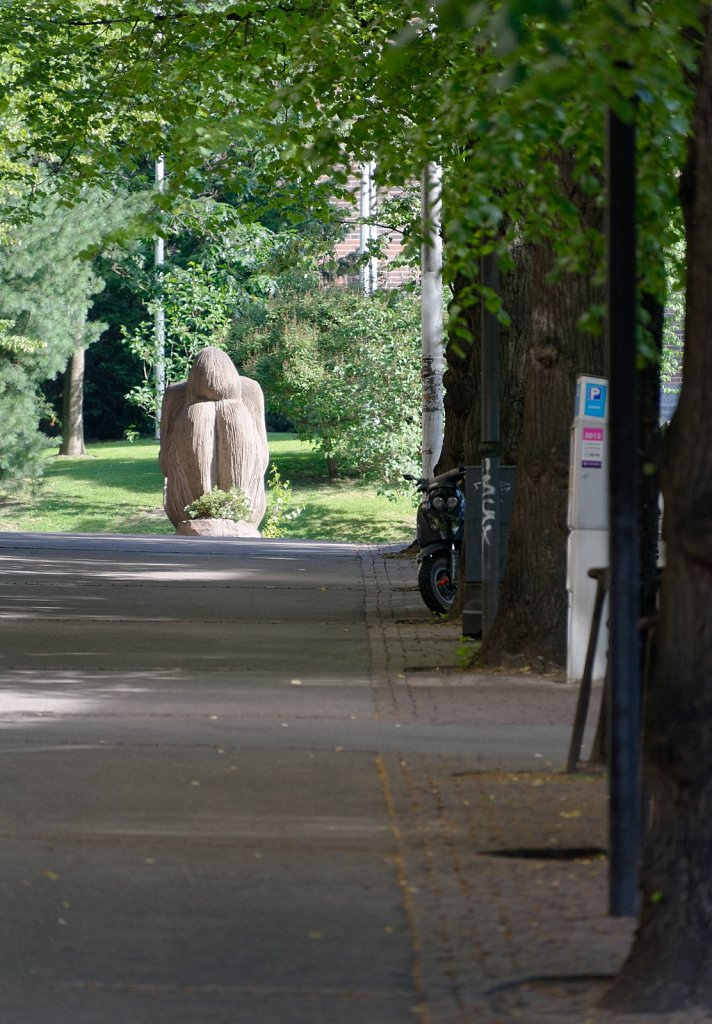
(193,824)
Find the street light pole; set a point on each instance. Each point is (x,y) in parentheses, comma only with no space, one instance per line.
(625,697)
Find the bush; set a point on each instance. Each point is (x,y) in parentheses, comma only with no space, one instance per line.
(281,513)
(218,504)
(196,312)
(345,370)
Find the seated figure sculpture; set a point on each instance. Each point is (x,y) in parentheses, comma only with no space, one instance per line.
(213,435)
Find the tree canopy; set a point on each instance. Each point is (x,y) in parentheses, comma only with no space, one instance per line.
(98,88)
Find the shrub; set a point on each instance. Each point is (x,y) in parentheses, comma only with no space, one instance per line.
(281,511)
(219,504)
(346,371)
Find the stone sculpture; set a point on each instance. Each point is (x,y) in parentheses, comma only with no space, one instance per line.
(213,435)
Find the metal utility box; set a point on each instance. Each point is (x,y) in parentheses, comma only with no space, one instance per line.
(472,610)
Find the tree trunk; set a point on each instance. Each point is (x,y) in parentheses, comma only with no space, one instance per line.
(531,619)
(73,405)
(461,382)
(515,342)
(670,965)
(650,452)
(431,318)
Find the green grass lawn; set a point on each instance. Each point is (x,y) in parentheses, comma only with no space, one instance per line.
(118,488)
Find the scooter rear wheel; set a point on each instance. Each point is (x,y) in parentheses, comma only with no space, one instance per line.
(435,583)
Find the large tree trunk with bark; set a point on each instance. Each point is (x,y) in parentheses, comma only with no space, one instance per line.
(73,405)
(461,383)
(515,341)
(670,965)
(531,621)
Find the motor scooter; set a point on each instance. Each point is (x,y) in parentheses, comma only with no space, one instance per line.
(440,525)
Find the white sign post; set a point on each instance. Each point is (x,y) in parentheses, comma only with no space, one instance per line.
(588,522)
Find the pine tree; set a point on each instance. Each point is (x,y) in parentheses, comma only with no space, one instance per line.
(47,283)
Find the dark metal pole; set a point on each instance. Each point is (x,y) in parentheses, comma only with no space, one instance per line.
(624,638)
(489,450)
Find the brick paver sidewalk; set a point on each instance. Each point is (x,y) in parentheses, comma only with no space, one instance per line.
(503,867)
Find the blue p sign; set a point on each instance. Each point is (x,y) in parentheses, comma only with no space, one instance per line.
(595,400)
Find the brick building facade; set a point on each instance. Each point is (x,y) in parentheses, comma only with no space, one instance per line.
(385,272)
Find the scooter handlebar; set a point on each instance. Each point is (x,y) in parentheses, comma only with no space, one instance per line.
(424,483)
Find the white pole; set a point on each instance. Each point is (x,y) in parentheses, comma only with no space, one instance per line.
(369,272)
(431,316)
(160,320)
(372,228)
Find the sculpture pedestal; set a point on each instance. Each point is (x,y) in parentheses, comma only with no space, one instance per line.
(216,528)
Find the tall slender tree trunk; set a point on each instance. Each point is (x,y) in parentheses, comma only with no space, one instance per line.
(431,317)
(670,965)
(73,404)
(531,620)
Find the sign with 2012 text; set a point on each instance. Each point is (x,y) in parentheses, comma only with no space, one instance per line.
(592,448)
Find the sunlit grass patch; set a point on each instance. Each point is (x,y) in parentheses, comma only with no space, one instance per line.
(118,488)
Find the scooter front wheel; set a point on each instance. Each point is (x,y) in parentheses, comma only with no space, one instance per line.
(435,582)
